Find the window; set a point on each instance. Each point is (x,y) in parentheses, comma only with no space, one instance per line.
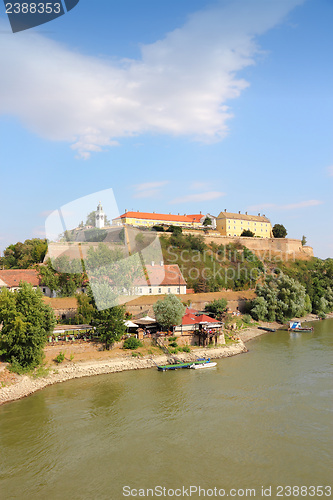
(149,290)
(169,290)
(229,227)
(44,290)
(140,290)
(159,290)
(178,290)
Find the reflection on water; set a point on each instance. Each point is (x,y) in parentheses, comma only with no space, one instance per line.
(257,419)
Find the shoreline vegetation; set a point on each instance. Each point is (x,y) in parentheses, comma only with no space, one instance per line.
(21,386)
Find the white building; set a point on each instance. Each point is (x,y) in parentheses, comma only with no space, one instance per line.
(100,217)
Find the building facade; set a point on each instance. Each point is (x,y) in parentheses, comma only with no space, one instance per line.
(10,278)
(230,224)
(146,219)
(161,279)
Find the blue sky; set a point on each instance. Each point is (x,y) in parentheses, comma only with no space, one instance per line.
(177,106)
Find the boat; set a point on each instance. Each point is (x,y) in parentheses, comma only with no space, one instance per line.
(208,364)
(176,366)
(295,326)
(266,329)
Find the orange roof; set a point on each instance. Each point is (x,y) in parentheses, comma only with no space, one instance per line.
(162,275)
(196,217)
(12,277)
(159,217)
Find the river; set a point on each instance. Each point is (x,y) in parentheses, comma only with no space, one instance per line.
(258,419)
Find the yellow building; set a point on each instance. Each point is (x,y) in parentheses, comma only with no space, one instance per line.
(145,219)
(229,224)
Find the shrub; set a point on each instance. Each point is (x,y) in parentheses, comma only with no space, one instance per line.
(132,343)
(247,318)
(321,315)
(186,348)
(173,344)
(60,358)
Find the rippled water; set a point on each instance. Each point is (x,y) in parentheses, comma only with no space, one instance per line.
(261,418)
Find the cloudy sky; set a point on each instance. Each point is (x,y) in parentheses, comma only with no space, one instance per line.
(177,106)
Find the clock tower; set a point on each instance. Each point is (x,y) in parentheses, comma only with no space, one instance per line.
(100,217)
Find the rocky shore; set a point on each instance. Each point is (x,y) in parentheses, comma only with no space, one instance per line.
(25,385)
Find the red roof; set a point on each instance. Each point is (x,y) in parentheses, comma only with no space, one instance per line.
(191,319)
(160,217)
(162,275)
(12,277)
(196,217)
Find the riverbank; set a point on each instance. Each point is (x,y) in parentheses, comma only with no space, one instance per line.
(96,362)
(25,385)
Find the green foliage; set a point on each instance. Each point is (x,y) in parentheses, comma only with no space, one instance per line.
(321,315)
(110,325)
(247,318)
(304,240)
(26,324)
(247,233)
(173,344)
(132,343)
(316,276)
(158,229)
(63,276)
(279,231)
(85,309)
(169,311)
(24,255)
(60,358)
(95,235)
(207,221)
(280,299)
(217,307)
(186,348)
(175,230)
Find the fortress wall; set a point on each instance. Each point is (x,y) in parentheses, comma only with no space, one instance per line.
(286,248)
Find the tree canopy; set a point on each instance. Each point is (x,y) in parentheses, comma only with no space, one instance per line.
(248,233)
(24,255)
(169,311)
(110,324)
(91,219)
(217,307)
(26,322)
(207,221)
(279,231)
(280,299)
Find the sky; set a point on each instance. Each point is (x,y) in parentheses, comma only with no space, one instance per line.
(176,107)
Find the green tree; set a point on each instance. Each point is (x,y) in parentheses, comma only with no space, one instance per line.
(248,233)
(169,311)
(85,310)
(24,255)
(304,240)
(207,221)
(63,276)
(110,324)
(279,231)
(283,297)
(217,307)
(26,322)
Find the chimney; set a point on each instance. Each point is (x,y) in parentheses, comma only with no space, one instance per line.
(225,209)
(259,214)
(200,212)
(178,213)
(152,263)
(125,210)
(239,211)
(245,213)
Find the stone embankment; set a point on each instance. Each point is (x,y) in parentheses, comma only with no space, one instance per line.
(26,385)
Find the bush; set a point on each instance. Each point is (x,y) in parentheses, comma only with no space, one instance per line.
(173,344)
(247,318)
(60,358)
(132,343)
(321,315)
(186,348)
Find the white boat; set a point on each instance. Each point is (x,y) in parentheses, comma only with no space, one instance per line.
(203,365)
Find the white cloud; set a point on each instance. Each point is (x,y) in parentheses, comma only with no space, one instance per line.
(149,189)
(198,197)
(291,206)
(180,86)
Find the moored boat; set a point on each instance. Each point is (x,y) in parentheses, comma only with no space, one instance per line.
(266,329)
(295,326)
(208,364)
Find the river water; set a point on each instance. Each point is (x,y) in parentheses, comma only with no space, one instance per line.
(259,419)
